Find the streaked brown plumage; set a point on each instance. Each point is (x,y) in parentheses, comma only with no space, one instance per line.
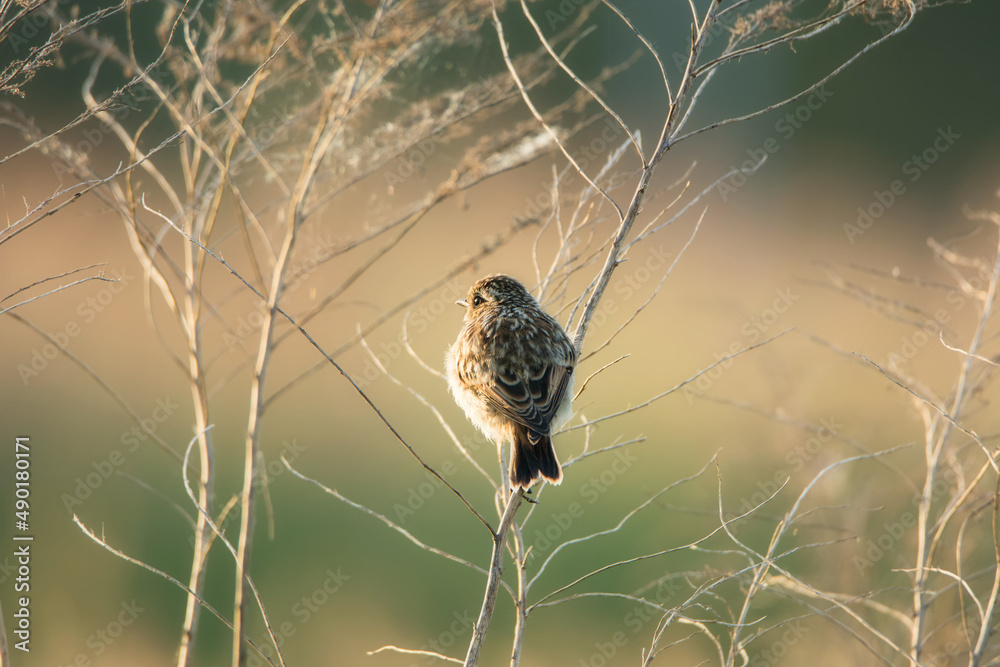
(511,371)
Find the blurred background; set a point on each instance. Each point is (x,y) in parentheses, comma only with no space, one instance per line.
(890,153)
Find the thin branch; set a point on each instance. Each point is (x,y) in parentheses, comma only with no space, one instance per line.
(541,120)
(387,521)
(409,651)
(61,275)
(222,538)
(343,373)
(433,409)
(649,47)
(911,13)
(989,455)
(614,528)
(494,580)
(100,540)
(579,82)
(679,385)
(54,291)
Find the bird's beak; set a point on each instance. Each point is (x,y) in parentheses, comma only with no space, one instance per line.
(463,303)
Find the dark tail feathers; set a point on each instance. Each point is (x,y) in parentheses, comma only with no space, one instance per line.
(533,457)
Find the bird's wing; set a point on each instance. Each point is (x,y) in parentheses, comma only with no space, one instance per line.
(531,401)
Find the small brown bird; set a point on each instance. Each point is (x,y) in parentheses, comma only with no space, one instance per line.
(511,371)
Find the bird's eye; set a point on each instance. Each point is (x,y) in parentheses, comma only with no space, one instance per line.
(477,300)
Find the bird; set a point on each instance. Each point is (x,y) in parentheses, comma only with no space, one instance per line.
(511,371)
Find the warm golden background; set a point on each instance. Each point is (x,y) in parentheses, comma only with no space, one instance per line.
(769,242)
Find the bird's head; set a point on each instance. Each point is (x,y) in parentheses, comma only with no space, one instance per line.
(495,293)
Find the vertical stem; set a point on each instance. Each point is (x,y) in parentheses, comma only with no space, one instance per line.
(760,571)
(521,604)
(252,448)
(493,580)
(202,530)
(924,528)
(984,629)
(934,450)
(326,129)
(635,205)
(193,265)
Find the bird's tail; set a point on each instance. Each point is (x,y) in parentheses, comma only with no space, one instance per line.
(533,457)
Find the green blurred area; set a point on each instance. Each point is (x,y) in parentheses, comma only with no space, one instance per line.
(338,583)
